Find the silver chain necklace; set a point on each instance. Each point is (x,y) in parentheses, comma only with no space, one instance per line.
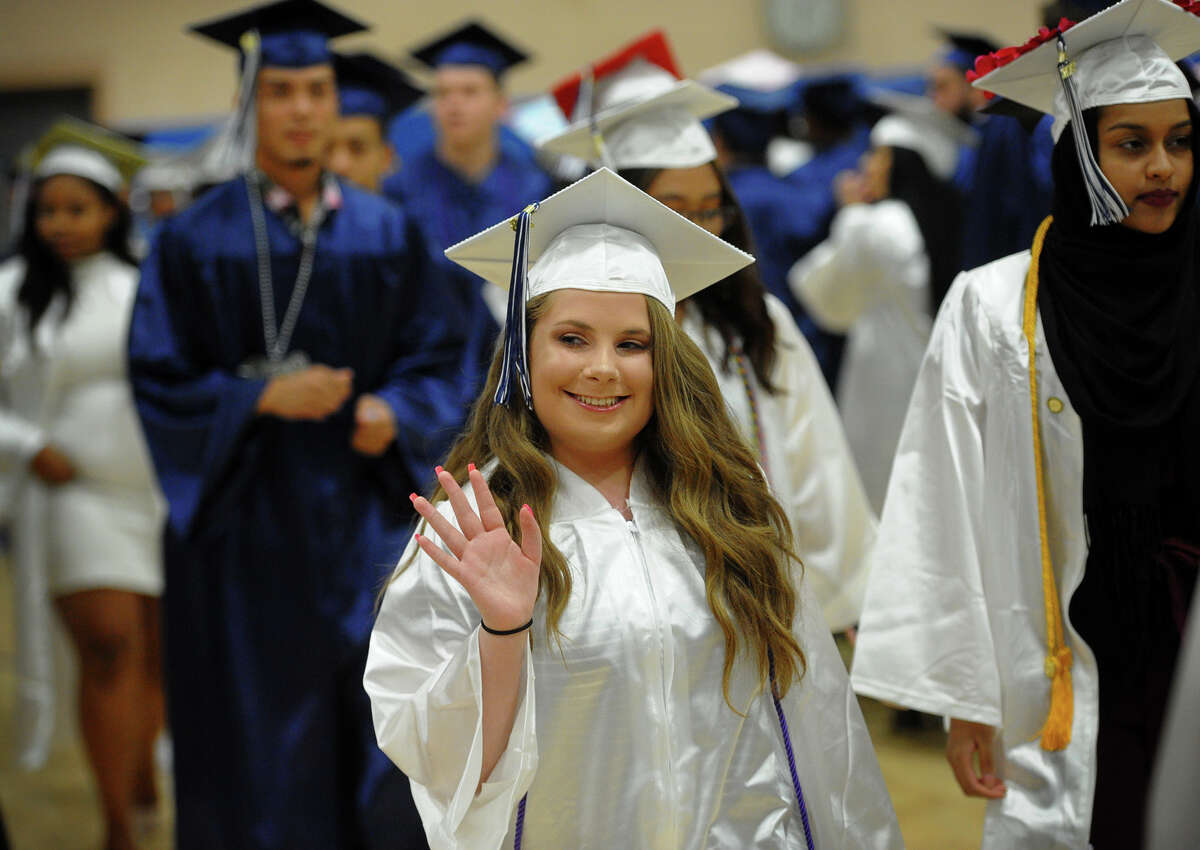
(278,337)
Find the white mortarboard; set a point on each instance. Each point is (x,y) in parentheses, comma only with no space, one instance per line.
(81,149)
(759,70)
(1123,54)
(916,124)
(602,234)
(632,110)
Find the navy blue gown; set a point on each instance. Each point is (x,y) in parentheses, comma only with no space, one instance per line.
(784,229)
(1009,190)
(816,205)
(280,535)
(448,209)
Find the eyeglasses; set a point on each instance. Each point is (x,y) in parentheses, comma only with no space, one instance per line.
(703,217)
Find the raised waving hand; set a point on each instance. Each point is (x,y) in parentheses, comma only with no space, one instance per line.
(500,575)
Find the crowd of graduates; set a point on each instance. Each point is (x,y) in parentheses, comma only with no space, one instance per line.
(227,373)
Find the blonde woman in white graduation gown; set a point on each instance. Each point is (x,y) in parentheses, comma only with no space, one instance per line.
(86,516)
(602,677)
(892,251)
(1040,538)
(648,124)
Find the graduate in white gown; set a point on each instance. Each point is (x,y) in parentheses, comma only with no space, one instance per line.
(1039,541)
(647,126)
(893,249)
(613,658)
(87,516)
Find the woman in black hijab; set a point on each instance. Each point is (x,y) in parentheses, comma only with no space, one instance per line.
(1038,547)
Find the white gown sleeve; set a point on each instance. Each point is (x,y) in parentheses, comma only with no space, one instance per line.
(20,439)
(831,517)
(423,678)
(847,798)
(924,639)
(839,280)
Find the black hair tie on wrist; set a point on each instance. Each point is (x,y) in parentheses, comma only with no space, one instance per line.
(503,633)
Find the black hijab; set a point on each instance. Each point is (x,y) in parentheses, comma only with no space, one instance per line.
(1121,312)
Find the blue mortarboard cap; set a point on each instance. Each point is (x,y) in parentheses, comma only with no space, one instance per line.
(471,44)
(836,98)
(369,86)
(759,117)
(292,33)
(962,48)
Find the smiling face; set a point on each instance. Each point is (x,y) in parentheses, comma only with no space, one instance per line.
(592,373)
(72,217)
(1146,153)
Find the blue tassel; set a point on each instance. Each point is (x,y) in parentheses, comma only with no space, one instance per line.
(516,346)
(1107,206)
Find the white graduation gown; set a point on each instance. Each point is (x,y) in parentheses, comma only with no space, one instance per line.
(624,739)
(954,621)
(66,386)
(870,280)
(807,460)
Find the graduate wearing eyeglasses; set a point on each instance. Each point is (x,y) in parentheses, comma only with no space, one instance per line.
(634,112)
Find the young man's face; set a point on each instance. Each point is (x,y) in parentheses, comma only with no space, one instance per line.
(297,108)
(359,152)
(467,104)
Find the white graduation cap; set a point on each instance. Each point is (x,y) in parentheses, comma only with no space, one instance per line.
(601,234)
(1123,54)
(86,150)
(760,70)
(633,110)
(915,123)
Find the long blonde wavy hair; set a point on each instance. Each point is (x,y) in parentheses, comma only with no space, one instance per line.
(702,471)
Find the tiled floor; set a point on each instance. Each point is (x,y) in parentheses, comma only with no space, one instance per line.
(56,809)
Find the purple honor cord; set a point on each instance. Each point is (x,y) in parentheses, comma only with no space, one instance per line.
(791,757)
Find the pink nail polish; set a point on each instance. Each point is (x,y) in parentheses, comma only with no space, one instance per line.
(412,497)
(526,508)
(438,470)
(470,467)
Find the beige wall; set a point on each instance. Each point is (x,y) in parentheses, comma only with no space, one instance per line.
(143,67)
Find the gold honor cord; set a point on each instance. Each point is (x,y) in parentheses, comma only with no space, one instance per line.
(1056,733)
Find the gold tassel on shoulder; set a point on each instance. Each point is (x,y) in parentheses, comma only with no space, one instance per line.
(1056,733)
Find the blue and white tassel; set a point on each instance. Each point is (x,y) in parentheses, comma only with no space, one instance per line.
(516,346)
(1107,206)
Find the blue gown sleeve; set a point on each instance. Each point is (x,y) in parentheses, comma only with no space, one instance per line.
(422,386)
(195,414)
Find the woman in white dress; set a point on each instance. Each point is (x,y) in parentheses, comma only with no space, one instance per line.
(1040,539)
(85,510)
(892,251)
(654,562)
(649,123)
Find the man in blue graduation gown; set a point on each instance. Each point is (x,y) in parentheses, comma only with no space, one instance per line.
(468,180)
(292,376)
(1006,178)
(370,92)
